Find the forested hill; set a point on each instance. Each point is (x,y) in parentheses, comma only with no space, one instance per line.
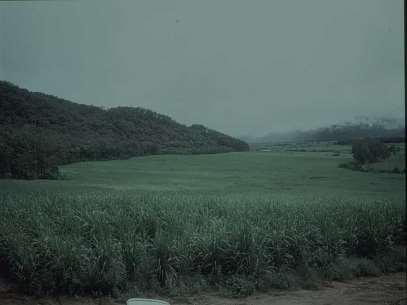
(38,131)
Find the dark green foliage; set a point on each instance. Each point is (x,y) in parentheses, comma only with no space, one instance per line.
(39,131)
(370,150)
(28,154)
(101,242)
(239,286)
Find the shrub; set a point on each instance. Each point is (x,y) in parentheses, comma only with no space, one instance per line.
(369,150)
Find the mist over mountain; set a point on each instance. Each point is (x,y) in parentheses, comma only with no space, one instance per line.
(361,127)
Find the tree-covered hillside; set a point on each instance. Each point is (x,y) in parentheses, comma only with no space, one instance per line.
(39,131)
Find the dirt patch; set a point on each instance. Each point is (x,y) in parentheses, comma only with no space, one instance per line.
(385,290)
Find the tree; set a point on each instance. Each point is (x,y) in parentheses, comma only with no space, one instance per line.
(28,153)
(367,150)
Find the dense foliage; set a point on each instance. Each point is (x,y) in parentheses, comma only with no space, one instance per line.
(370,150)
(39,132)
(102,242)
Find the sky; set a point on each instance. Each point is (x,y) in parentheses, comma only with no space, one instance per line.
(243,67)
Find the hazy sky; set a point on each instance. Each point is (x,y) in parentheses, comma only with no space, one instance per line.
(238,66)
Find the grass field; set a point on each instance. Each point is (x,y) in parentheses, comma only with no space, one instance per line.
(241,221)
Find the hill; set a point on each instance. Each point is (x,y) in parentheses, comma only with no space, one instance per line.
(39,131)
(341,133)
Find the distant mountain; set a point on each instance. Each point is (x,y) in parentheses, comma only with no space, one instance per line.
(386,129)
(38,131)
(273,137)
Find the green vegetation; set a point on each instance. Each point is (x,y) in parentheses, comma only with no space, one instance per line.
(241,221)
(374,156)
(368,150)
(39,132)
(396,163)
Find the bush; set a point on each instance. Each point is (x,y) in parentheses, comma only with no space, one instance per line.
(369,150)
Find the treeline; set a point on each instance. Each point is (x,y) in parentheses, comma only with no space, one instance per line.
(39,132)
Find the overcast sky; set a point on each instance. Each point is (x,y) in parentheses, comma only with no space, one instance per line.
(238,66)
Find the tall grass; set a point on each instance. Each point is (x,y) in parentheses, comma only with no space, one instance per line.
(101,242)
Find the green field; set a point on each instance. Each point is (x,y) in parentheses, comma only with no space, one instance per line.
(241,221)
(272,174)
